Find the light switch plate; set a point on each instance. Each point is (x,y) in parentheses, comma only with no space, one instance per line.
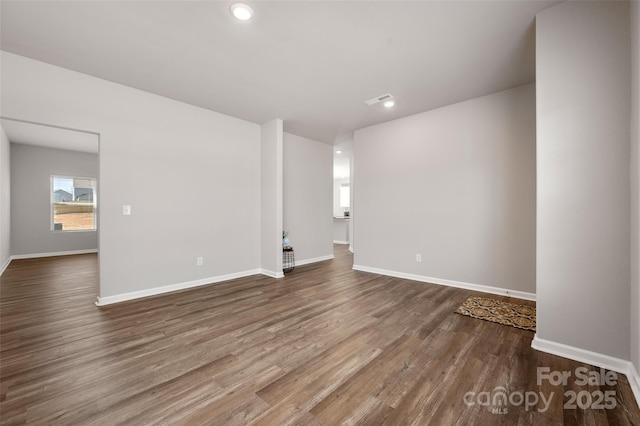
(126,210)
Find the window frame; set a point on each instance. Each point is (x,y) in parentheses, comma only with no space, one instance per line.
(52,208)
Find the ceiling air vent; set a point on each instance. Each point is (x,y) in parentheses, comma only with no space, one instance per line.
(378,99)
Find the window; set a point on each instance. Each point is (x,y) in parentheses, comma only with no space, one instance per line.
(73,203)
(345,196)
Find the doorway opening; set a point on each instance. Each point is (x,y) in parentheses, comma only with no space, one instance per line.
(54,187)
(343,195)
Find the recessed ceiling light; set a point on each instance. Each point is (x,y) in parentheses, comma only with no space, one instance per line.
(389,103)
(338,152)
(242,11)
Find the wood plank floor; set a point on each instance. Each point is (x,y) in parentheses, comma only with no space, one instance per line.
(325,345)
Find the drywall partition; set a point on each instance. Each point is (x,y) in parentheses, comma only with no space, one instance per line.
(31,171)
(190,175)
(456,186)
(308,195)
(583,110)
(635,185)
(352,219)
(271,171)
(5,201)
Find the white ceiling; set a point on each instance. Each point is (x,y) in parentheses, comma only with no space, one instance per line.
(311,63)
(49,137)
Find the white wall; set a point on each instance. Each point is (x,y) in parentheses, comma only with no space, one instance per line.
(308,195)
(456,185)
(583,110)
(31,170)
(192,176)
(271,197)
(635,185)
(352,216)
(5,200)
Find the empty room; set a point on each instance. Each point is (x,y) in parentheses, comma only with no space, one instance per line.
(319,212)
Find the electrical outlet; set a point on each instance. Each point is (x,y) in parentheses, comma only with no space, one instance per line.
(418,258)
(199,261)
(126,210)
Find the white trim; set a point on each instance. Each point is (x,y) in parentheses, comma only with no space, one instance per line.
(271,274)
(594,358)
(5,265)
(351,249)
(580,355)
(450,283)
(314,260)
(51,254)
(634,382)
(108,300)
(37,255)
(340,242)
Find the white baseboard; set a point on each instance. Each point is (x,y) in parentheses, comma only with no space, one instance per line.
(588,357)
(4,265)
(314,260)
(51,254)
(634,382)
(340,242)
(450,283)
(37,255)
(272,274)
(581,355)
(108,300)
